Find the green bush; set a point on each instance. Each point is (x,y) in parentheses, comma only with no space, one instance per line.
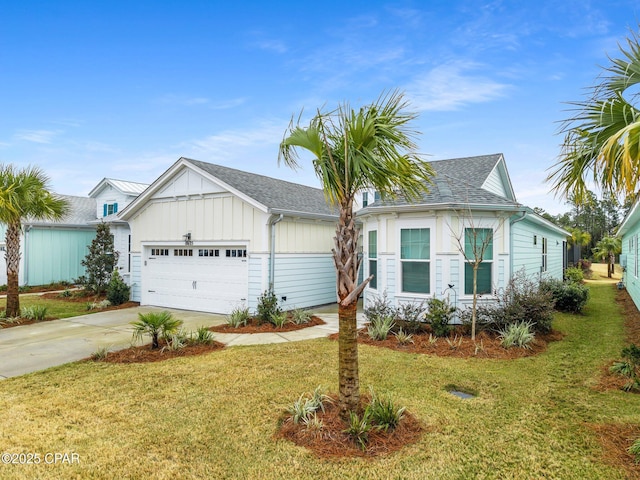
(34,312)
(238,316)
(568,297)
(410,317)
(574,275)
(117,290)
(439,315)
(202,336)
(267,306)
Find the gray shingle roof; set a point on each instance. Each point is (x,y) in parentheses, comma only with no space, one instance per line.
(458,181)
(82,210)
(278,195)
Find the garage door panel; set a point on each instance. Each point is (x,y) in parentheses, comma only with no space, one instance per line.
(194,281)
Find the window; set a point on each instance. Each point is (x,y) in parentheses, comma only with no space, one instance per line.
(365,199)
(208,252)
(478,242)
(373,258)
(235,253)
(183,252)
(376,196)
(544,254)
(109,209)
(159,252)
(415,247)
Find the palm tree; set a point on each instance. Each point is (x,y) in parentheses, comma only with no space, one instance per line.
(353,150)
(24,194)
(156,325)
(578,239)
(602,141)
(607,249)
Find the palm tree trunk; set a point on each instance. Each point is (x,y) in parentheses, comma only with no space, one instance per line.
(349,379)
(12,257)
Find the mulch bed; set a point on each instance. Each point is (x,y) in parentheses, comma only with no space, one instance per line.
(145,354)
(486,345)
(254,326)
(330,441)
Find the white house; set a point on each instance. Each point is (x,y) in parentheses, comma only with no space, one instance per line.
(111,196)
(420,249)
(211,238)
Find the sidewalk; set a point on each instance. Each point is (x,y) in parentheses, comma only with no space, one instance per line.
(34,347)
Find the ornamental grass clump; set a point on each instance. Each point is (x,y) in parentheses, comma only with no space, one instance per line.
(379,328)
(307,405)
(300,316)
(518,334)
(238,316)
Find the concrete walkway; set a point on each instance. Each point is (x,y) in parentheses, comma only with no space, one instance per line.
(34,347)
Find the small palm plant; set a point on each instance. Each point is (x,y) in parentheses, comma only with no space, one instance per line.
(156,324)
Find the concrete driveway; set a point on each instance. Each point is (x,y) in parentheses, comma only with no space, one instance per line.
(29,348)
(34,347)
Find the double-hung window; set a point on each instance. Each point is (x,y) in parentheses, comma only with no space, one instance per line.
(373,258)
(415,247)
(478,245)
(109,209)
(544,254)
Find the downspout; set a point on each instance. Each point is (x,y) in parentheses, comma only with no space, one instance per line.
(25,274)
(511,224)
(272,254)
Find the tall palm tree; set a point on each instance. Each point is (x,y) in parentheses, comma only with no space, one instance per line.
(24,194)
(354,150)
(578,239)
(602,141)
(607,249)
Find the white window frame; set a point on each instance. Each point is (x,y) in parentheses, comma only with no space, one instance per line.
(412,223)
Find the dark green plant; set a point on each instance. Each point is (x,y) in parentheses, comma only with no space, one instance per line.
(383,412)
(267,306)
(574,275)
(410,317)
(156,325)
(117,291)
(439,315)
(379,308)
(568,297)
(358,428)
(100,261)
(202,336)
(629,367)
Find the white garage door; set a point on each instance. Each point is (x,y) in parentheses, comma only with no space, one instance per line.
(211,279)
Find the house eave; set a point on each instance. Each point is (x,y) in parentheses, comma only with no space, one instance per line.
(438,206)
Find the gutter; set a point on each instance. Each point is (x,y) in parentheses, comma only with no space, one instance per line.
(276,218)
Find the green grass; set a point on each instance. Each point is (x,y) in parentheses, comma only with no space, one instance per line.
(214,416)
(56,308)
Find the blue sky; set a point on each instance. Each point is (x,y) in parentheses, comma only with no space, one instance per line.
(122,89)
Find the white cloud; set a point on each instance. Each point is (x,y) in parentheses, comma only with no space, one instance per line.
(36,136)
(449,87)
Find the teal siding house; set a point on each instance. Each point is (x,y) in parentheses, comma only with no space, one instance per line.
(52,251)
(629,232)
(417,250)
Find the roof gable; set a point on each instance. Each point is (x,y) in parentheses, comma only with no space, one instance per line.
(123,186)
(265,193)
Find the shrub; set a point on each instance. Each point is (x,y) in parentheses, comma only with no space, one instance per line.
(568,297)
(300,316)
(629,367)
(155,324)
(238,316)
(634,450)
(202,336)
(278,319)
(517,335)
(410,316)
(379,308)
(267,305)
(177,340)
(384,413)
(439,316)
(585,266)
(574,275)
(403,337)
(117,290)
(379,328)
(65,293)
(359,428)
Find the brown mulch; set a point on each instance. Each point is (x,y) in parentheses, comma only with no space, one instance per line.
(615,440)
(145,354)
(486,345)
(254,326)
(331,441)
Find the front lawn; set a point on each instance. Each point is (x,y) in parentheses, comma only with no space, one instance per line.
(215,416)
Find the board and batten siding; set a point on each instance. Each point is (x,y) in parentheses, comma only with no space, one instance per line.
(55,255)
(527,255)
(217,218)
(297,236)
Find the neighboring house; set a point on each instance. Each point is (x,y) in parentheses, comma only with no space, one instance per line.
(211,238)
(629,231)
(414,248)
(52,251)
(112,196)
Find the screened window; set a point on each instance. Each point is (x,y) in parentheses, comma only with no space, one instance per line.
(478,244)
(415,260)
(373,258)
